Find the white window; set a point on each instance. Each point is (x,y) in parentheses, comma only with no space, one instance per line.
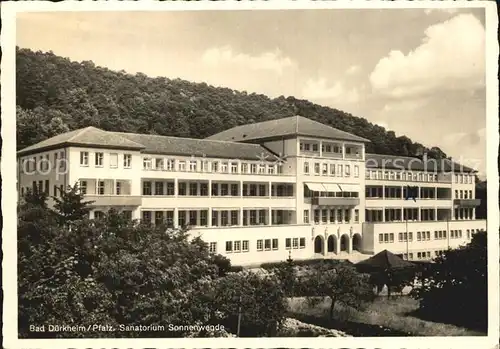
(113,160)
(193,165)
(147,163)
(340,170)
(244,168)
(84,158)
(332,170)
(270,169)
(260,246)
(267,244)
(182,165)
(347,170)
(245,244)
(234,167)
(253,168)
(62,164)
(262,169)
(229,246)
(215,166)
(118,188)
(306,167)
(100,188)
(204,166)
(302,242)
(237,246)
(47,162)
(127,160)
(316,169)
(83,187)
(99,159)
(223,167)
(213,247)
(170,165)
(56,154)
(356,171)
(325,170)
(275,244)
(306,216)
(158,164)
(295,243)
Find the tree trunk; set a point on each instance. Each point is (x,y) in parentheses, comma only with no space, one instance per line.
(332,306)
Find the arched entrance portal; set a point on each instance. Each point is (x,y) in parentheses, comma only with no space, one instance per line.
(344,243)
(318,244)
(332,243)
(356,242)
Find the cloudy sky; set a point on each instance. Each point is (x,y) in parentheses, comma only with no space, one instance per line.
(417,72)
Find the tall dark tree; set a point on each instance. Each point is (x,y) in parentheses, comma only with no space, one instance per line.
(71,205)
(455,288)
(287,274)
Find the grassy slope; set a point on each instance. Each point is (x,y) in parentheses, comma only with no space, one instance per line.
(390,313)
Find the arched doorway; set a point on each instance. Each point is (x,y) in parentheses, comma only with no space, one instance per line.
(344,243)
(331,243)
(356,242)
(318,244)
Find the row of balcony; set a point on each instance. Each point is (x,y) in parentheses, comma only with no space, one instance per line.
(136,200)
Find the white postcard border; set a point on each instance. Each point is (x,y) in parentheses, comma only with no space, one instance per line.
(9,247)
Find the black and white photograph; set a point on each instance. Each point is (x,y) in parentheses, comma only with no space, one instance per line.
(205,172)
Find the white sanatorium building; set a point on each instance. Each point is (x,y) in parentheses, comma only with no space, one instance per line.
(266,191)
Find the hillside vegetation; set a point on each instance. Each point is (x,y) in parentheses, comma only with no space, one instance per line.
(55,94)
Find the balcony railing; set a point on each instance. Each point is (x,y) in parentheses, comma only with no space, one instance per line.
(328,201)
(114,200)
(467,202)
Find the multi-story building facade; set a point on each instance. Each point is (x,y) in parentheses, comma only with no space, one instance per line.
(266,191)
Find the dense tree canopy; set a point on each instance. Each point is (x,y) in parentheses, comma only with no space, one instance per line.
(340,284)
(55,94)
(114,271)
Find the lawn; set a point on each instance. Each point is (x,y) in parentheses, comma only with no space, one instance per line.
(390,315)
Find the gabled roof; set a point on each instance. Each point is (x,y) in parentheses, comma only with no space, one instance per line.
(395,162)
(88,136)
(286,127)
(155,144)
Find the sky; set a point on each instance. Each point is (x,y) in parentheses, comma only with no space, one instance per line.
(418,72)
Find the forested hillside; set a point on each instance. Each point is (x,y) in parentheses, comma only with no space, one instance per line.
(55,94)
